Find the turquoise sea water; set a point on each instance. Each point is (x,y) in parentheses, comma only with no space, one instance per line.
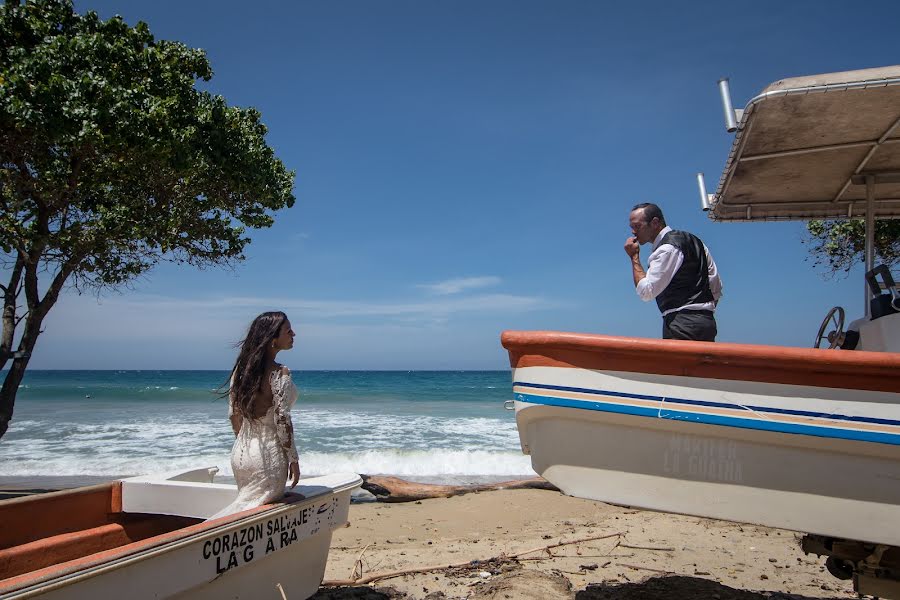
(430,425)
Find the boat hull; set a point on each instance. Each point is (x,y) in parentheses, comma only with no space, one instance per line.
(193,570)
(240,556)
(822,460)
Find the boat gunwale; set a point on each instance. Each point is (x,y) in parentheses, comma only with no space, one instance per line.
(840,369)
(49,496)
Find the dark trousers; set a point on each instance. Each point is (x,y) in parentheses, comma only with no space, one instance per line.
(698,325)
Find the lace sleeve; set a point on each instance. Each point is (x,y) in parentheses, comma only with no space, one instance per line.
(284,428)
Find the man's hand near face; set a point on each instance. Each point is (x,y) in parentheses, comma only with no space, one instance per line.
(632,248)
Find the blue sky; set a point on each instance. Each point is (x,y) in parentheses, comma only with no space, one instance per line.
(467,167)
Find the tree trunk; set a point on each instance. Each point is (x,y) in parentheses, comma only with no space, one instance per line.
(17,370)
(393,489)
(8,392)
(10,295)
(37,310)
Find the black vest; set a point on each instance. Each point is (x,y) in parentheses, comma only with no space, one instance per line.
(690,284)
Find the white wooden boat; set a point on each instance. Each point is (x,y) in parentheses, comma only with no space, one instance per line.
(798,438)
(146,537)
(746,433)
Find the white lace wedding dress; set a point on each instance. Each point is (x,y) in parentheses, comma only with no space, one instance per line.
(264,448)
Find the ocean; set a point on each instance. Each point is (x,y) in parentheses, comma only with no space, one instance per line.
(435,426)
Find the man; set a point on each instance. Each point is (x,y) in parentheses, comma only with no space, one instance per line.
(681,275)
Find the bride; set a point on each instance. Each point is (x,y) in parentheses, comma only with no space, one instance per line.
(260,396)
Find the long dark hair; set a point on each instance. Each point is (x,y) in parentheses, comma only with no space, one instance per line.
(250,366)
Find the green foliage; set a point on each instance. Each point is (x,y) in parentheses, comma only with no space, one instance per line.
(112,160)
(839,245)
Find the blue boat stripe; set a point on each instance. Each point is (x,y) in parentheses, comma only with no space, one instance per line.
(704,418)
(760,409)
(562,388)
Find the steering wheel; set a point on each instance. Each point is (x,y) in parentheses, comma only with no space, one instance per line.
(836,337)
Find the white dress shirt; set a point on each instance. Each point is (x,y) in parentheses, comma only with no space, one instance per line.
(664,262)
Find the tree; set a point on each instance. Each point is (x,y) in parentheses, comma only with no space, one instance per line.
(111,161)
(839,245)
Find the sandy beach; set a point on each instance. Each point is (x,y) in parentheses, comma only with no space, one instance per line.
(510,544)
(656,556)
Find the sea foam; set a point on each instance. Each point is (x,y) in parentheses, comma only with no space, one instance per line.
(431,425)
(404,463)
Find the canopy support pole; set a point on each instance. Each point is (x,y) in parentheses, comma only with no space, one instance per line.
(870,237)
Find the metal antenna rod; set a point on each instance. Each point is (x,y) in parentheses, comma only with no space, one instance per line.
(704,197)
(730,122)
(870,237)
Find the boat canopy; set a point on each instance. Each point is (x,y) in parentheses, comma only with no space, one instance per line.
(821,146)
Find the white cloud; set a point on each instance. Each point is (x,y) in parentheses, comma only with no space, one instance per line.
(150,331)
(455,286)
(206,308)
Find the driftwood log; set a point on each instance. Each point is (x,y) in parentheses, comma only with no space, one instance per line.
(394,489)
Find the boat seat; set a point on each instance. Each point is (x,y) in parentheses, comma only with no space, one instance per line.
(56,549)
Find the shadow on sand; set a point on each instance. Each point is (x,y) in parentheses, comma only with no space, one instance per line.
(681,587)
(532,585)
(359,592)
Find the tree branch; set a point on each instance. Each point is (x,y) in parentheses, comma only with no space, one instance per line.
(65,196)
(10,322)
(26,178)
(32,299)
(59,280)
